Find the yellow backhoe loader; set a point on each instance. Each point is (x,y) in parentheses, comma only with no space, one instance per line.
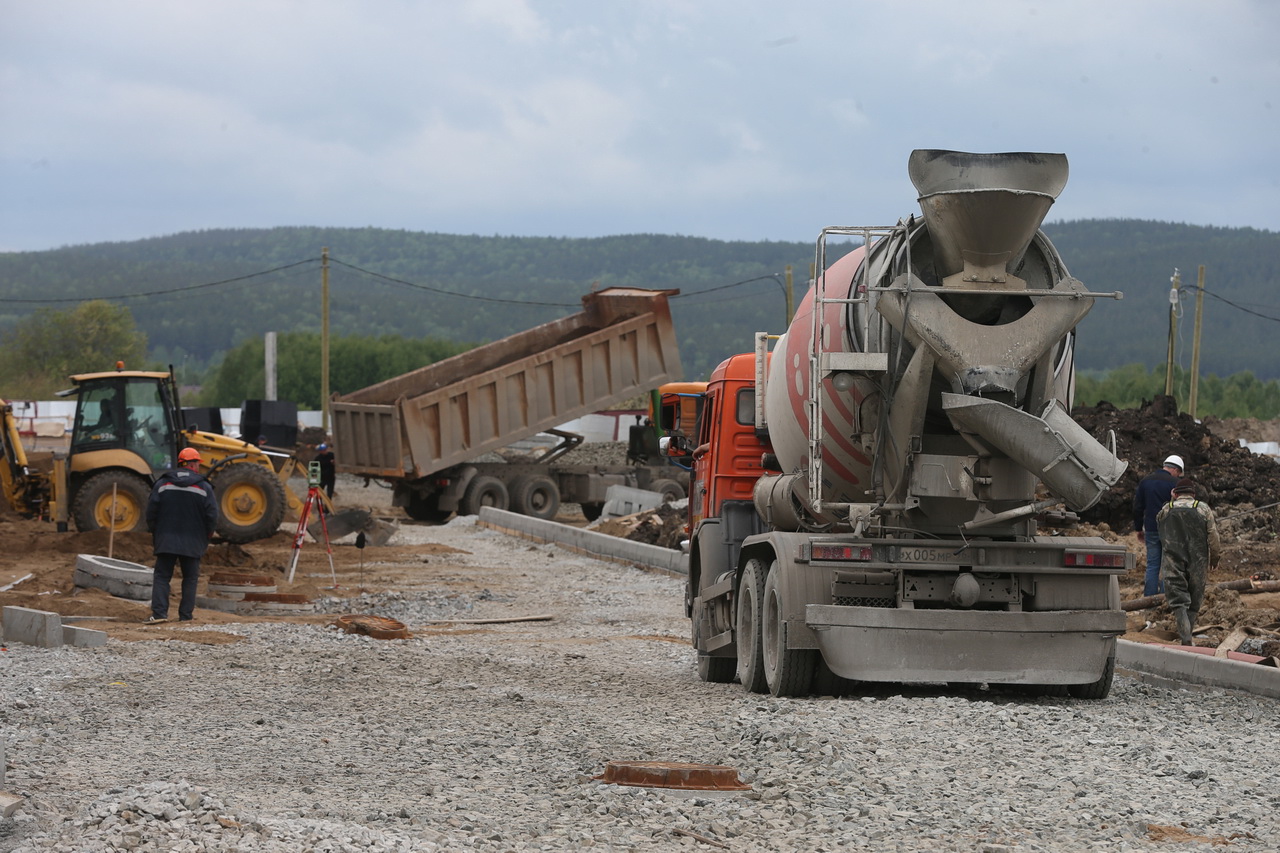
(128,430)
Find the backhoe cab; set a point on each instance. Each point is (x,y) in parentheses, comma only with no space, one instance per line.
(128,430)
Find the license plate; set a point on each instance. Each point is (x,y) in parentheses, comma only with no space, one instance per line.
(925,554)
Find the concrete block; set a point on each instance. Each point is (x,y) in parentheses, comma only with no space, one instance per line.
(624,500)
(586,541)
(84,638)
(1190,668)
(9,803)
(33,627)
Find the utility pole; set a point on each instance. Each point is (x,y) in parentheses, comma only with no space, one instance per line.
(1176,281)
(324,339)
(1195,343)
(790,296)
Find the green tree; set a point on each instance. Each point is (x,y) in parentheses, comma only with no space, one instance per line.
(354,362)
(40,353)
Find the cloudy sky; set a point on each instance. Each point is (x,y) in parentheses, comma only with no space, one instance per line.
(751,119)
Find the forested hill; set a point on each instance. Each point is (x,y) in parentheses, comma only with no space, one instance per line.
(198,294)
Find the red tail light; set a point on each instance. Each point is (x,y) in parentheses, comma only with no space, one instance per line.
(837,551)
(1093,560)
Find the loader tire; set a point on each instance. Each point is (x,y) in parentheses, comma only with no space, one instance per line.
(1101,688)
(669,489)
(92,508)
(789,672)
(748,630)
(536,496)
(251,502)
(484,491)
(427,508)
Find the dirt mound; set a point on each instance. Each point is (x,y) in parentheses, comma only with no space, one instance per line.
(663,527)
(1228,474)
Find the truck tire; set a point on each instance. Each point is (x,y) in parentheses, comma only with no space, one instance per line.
(592,511)
(748,629)
(789,672)
(426,508)
(484,491)
(669,489)
(1101,688)
(251,502)
(91,508)
(536,495)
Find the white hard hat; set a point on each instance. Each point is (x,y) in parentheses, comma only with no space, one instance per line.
(1176,460)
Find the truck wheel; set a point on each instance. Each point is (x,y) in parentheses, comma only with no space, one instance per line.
(426,508)
(788,672)
(748,629)
(482,492)
(711,669)
(1101,688)
(251,502)
(669,489)
(592,511)
(92,509)
(537,496)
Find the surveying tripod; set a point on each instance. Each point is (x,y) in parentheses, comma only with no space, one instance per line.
(314,499)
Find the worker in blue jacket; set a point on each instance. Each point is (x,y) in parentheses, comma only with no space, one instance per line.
(181,515)
(1153,493)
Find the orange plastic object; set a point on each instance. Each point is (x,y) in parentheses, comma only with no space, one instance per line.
(672,774)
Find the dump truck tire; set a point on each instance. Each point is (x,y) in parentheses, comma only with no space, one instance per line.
(426,508)
(251,502)
(750,620)
(91,509)
(484,491)
(1101,688)
(789,672)
(669,489)
(536,496)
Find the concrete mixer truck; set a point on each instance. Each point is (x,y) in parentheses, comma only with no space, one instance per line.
(872,494)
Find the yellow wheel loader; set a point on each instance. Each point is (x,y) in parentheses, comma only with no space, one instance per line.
(128,430)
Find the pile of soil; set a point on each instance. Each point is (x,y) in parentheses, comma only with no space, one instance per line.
(1229,475)
(663,526)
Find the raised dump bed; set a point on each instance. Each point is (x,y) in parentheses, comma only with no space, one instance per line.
(415,430)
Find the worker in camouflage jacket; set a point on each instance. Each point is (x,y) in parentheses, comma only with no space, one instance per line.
(1189,539)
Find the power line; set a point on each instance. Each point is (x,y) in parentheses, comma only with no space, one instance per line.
(167,291)
(443,292)
(1238,307)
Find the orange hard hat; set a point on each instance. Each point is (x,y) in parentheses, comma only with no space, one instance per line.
(189,454)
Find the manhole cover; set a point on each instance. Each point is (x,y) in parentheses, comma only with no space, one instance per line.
(672,774)
(378,627)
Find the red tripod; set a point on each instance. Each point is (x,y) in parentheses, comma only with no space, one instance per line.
(314,499)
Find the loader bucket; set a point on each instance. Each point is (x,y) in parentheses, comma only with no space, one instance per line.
(1069,461)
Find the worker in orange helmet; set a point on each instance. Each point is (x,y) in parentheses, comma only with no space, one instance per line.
(181,516)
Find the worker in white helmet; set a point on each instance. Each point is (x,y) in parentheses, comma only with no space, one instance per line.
(1152,493)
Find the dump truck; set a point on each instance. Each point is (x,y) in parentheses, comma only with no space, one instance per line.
(424,432)
(127,430)
(884,492)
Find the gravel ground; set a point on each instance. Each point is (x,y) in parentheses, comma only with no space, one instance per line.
(486,737)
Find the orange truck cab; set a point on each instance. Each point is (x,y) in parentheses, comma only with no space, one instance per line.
(728,457)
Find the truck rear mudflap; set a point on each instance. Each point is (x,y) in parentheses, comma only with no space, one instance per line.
(998,647)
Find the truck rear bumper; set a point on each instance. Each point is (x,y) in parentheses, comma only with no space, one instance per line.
(884,644)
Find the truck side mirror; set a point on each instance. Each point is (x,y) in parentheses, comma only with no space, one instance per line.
(675,446)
